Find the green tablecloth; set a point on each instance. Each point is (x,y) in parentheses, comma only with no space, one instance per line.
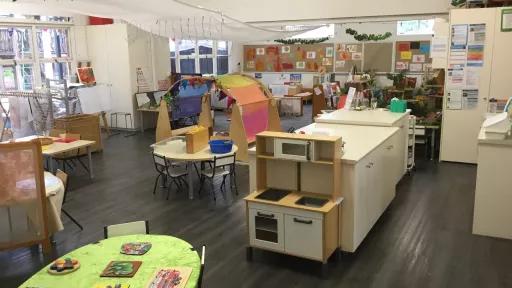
(166,251)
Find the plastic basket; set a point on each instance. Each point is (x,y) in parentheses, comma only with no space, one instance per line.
(220,146)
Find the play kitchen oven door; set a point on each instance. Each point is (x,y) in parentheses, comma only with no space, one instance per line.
(301,150)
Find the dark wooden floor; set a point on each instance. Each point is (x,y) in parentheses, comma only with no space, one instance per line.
(423,240)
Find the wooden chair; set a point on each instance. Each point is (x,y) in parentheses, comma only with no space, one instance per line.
(23,192)
(130,228)
(220,166)
(64,178)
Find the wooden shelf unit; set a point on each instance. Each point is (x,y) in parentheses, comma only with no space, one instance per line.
(285,226)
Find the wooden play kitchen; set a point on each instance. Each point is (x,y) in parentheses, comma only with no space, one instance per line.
(296,207)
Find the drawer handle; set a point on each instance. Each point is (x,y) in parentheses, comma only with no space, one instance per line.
(302,221)
(390,147)
(265,215)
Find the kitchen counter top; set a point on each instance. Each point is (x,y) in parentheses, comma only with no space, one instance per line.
(366,117)
(290,199)
(359,141)
(482,139)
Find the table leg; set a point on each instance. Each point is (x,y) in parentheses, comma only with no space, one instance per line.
(433,143)
(141,116)
(89,155)
(190,170)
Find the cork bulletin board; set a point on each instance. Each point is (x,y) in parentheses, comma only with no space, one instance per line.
(288,58)
(348,55)
(378,57)
(413,56)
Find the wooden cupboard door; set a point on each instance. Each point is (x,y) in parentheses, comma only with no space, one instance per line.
(266,229)
(303,236)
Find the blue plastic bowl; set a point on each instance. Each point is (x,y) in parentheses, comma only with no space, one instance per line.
(221,146)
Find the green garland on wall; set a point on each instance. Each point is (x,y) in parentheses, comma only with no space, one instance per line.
(458,3)
(366,37)
(301,41)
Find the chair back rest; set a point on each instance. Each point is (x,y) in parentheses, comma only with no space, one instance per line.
(201,271)
(22,194)
(63,177)
(160,163)
(224,161)
(130,228)
(57,132)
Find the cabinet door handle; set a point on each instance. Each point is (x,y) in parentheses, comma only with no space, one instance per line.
(390,147)
(308,150)
(297,220)
(368,166)
(265,215)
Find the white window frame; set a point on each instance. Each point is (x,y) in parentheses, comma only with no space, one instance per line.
(36,61)
(197,56)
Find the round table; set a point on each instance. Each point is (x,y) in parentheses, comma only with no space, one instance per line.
(166,251)
(176,149)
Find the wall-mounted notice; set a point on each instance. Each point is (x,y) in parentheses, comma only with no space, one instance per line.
(296,78)
(469,99)
(472,77)
(456,78)
(506,20)
(454,100)
(459,36)
(439,47)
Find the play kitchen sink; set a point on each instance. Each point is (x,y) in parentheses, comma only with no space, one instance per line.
(273,195)
(311,202)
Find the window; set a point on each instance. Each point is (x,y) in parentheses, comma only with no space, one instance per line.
(205,48)
(27,61)
(415,27)
(222,57)
(201,56)
(172,47)
(187,56)
(323,31)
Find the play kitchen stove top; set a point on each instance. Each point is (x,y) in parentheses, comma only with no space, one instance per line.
(273,195)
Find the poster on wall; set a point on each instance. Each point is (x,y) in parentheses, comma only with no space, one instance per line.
(459,36)
(454,100)
(506,20)
(439,47)
(456,78)
(469,99)
(296,78)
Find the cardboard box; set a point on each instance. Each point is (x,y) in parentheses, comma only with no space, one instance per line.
(197,139)
(294,89)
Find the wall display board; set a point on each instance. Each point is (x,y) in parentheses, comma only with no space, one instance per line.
(378,57)
(413,56)
(288,58)
(466,58)
(348,55)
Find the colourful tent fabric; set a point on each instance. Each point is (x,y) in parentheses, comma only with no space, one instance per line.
(232,80)
(246,95)
(255,118)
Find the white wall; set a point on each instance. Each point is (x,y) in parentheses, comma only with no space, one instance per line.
(272,10)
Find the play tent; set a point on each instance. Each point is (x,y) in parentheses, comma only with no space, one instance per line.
(255,110)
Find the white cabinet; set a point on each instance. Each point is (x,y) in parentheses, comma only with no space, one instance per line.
(266,229)
(302,236)
(292,231)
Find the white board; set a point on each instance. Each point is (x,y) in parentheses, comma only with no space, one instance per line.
(95,99)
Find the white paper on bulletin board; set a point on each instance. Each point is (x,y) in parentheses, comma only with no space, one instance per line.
(95,99)
(469,99)
(456,78)
(454,100)
(439,47)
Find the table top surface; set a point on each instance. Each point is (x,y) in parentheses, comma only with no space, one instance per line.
(58,147)
(166,251)
(176,148)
